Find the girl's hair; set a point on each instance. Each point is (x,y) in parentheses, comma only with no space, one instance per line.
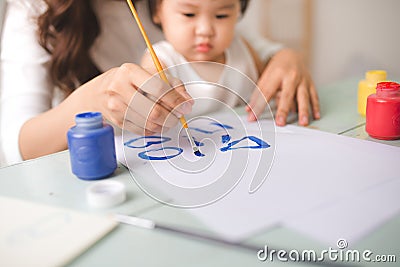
(67,30)
(153,7)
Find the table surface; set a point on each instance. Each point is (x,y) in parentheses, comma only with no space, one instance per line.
(49,180)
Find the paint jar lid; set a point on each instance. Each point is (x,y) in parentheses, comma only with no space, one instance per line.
(375,75)
(388,89)
(89,120)
(106,194)
(392,86)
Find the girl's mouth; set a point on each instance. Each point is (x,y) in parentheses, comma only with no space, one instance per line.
(203,47)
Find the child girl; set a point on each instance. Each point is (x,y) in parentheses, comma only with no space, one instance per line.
(202,32)
(198,30)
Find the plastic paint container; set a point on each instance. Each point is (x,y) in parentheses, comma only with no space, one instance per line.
(383,112)
(91,146)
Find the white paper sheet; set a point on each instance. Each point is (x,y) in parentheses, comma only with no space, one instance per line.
(38,235)
(310,171)
(190,181)
(351,218)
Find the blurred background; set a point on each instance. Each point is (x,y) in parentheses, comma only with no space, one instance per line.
(339,39)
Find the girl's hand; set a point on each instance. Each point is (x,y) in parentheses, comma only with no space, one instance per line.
(287,78)
(127,98)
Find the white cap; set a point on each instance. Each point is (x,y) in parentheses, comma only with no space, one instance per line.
(105,194)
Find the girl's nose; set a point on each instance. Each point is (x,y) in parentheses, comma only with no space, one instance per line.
(205,27)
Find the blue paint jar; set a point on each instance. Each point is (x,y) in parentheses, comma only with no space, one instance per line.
(91,147)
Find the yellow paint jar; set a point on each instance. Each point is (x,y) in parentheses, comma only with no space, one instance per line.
(367,87)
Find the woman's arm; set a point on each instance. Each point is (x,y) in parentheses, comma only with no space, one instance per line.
(284,75)
(115,95)
(46,132)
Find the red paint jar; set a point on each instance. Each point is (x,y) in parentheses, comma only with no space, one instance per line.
(383,112)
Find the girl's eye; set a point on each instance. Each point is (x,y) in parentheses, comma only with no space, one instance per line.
(189,15)
(221,16)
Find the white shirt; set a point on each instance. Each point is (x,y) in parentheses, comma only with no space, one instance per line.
(26,88)
(231,85)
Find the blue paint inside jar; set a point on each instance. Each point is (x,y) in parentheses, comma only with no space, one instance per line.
(91,146)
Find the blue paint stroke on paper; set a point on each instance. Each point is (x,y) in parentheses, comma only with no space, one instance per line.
(199,154)
(201,130)
(156,140)
(259,144)
(225,138)
(224,126)
(144,155)
(198,143)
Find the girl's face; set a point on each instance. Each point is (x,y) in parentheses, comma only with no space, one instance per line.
(199,29)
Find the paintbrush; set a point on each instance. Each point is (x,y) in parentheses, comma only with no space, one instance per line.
(161,73)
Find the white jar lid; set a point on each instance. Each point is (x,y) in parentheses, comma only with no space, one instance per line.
(106,194)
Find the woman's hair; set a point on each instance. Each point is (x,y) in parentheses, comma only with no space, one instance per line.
(67,30)
(153,7)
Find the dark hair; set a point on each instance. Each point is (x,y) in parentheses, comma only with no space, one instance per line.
(153,7)
(67,30)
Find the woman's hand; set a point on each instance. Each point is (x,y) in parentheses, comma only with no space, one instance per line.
(127,97)
(287,79)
